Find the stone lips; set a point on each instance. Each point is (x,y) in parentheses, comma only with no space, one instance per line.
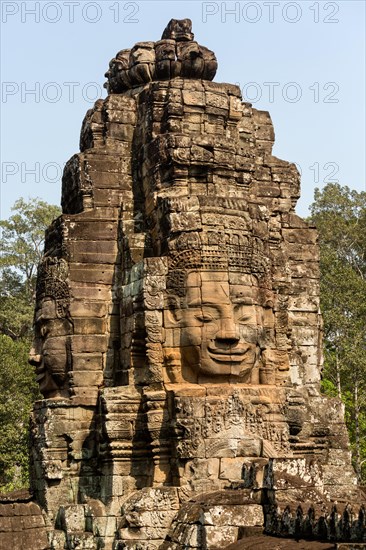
(175,55)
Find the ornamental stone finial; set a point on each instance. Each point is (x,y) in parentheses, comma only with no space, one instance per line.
(177,54)
(179,30)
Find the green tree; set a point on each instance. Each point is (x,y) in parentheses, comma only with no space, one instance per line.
(21,249)
(18,390)
(340,216)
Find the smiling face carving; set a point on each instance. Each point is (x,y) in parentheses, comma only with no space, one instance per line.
(49,354)
(221,328)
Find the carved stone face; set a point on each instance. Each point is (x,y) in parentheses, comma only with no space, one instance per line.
(49,353)
(123,58)
(221,328)
(165,49)
(142,52)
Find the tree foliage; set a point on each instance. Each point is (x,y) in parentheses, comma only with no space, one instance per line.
(21,249)
(340,216)
(18,390)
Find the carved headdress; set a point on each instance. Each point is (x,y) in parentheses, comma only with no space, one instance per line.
(216,251)
(52,283)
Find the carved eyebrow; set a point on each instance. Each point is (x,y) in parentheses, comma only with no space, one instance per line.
(196,303)
(241,300)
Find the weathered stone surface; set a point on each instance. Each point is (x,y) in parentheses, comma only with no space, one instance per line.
(175,55)
(22,524)
(177,328)
(271,543)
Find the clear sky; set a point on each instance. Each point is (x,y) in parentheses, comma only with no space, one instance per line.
(303,61)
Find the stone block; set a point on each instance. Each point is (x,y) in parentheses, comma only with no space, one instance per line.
(85,395)
(92,308)
(92,247)
(119,102)
(231,468)
(72,518)
(98,230)
(87,362)
(220,537)
(88,343)
(121,132)
(235,108)
(86,378)
(86,273)
(90,325)
(6,524)
(218,100)
(104,197)
(265,132)
(142,545)
(194,98)
(86,540)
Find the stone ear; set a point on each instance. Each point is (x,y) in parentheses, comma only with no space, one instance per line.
(172,312)
(173,317)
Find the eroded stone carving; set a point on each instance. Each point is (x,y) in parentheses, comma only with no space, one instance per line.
(51,353)
(178,333)
(176,54)
(52,283)
(219,309)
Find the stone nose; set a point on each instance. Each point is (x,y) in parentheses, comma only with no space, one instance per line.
(228,331)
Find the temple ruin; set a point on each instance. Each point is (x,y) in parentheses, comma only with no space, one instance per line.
(178,337)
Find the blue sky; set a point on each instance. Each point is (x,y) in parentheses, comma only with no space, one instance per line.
(303,61)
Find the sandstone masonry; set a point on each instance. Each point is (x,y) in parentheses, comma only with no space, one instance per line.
(177,329)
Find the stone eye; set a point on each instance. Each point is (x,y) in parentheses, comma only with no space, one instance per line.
(243,319)
(205,318)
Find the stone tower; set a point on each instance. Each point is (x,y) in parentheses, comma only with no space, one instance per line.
(177,326)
